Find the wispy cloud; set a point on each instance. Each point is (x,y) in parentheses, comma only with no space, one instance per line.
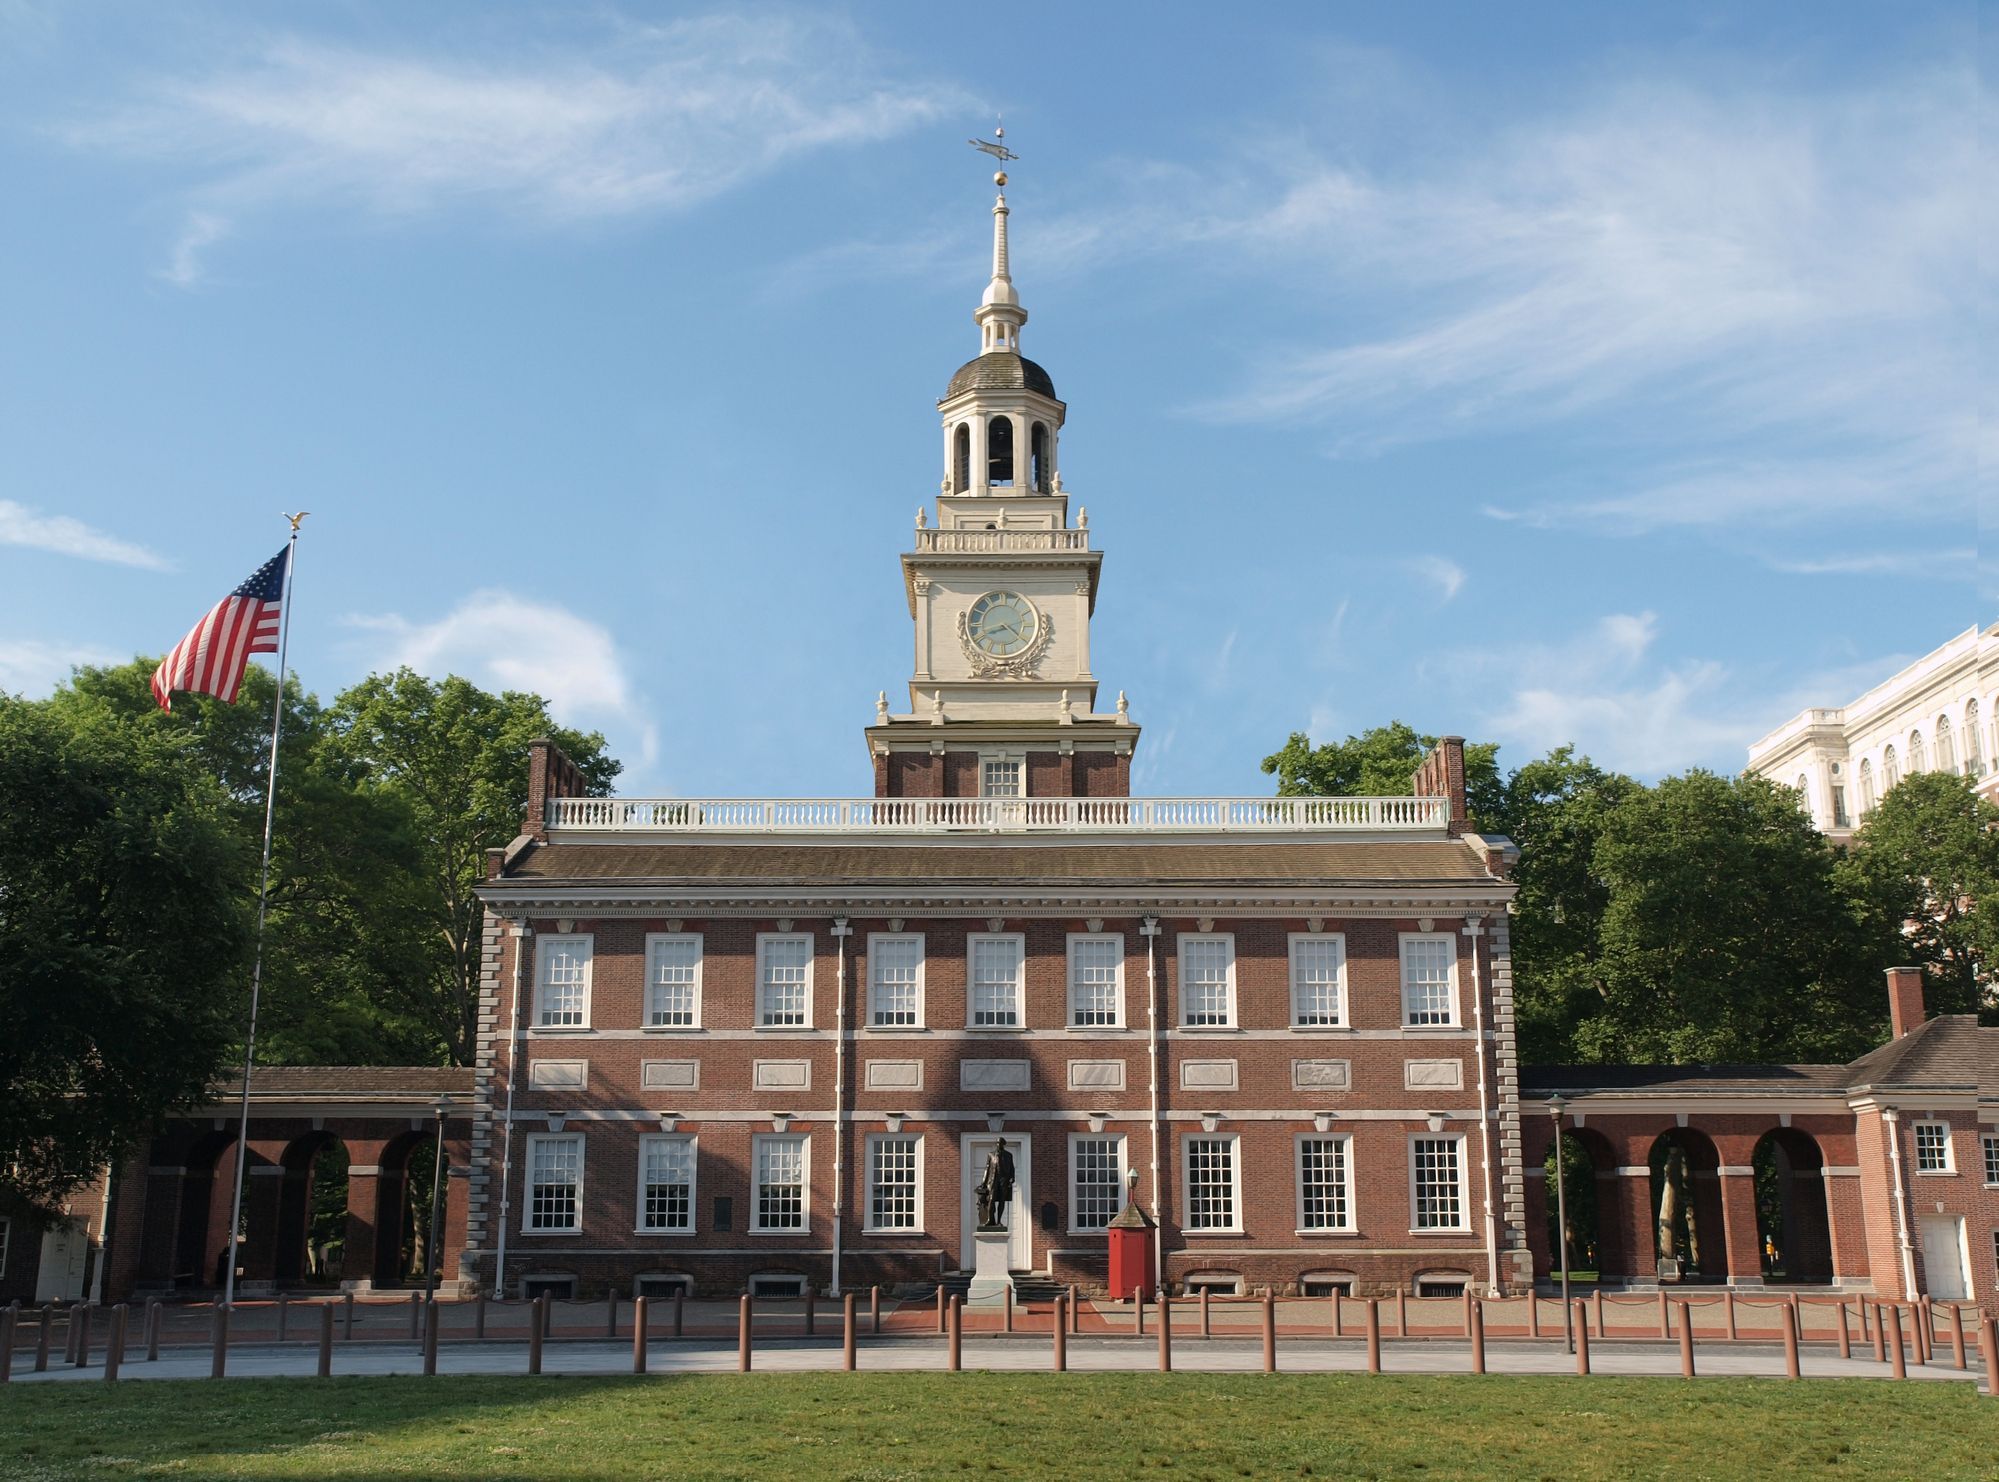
(30,666)
(1943,565)
(504,641)
(656,118)
(20,525)
(1441,572)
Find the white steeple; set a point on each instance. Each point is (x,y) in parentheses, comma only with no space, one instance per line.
(999,314)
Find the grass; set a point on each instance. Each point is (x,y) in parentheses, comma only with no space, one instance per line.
(822,1427)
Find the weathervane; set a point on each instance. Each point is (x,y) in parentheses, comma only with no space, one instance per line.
(995,146)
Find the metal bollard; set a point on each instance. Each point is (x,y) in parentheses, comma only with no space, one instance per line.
(416,1315)
(847,1343)
(1374,1335)
(1138,1307)
(1582,1338)
(875,1310)
(611,1314)
(1957,1335)
(1790,1342)
(1165,1334)
(1533,1315)
(942,1301)
(347,1317)
(679,1311)
(1468,1300)
(114,1343)
(1075,1312)
(1919,1332)
(1207,1328)
(1338,1330)
(639,1336)
(479,1316)
(284,1317)
(1269,1332)
(1880,1331)
(955,1328)
(10,1320)
(1007,1325)
(1988,1348)
(1845,1333)
(218,1362)
(1475,1328)
(78,1352)
(1686,1341)
(743,1335)
(430,1338)
(155,1316)
(1898,1365)
(810,1327)
(42,1338)
(1728,1303)
(1401,1313)
(1061,1327)
(535,1334)
(1665,1317)
(325,1340)
(1596,1297)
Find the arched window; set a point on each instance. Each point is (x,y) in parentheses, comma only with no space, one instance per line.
(961,474)
(1891,771)
(1918,762)
(1866,787)
(999,451)
(1974,764)
(1946,746)
(1037,442)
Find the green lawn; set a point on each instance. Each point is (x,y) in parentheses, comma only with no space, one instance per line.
(819,1427)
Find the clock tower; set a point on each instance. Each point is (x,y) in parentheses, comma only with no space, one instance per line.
(1001,588)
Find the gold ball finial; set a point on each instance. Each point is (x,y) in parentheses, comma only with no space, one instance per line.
(999,178)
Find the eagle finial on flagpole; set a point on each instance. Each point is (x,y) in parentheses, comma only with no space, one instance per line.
(296,519)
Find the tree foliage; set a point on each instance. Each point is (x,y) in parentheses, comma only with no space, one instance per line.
(123,931)
(1378,763)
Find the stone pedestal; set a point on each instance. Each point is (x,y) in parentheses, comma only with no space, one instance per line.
(991,1278)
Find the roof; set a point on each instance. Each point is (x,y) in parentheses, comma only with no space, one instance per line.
(1439,860)
(1541,1080)
(1951,1050)
(1000,370)
(345,1082)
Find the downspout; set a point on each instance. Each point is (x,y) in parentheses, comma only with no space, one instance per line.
(1474,928)
(103,1237)
(1148,928)
(841,931)
(523,935)
(1894,1120)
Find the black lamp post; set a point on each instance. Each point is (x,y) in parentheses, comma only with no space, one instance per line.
(1556,1106)
(432,1245)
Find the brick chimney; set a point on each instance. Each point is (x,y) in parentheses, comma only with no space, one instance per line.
(551,775)
(1905,999)
(1442,775)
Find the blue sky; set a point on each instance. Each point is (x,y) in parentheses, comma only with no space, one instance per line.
(1602,374)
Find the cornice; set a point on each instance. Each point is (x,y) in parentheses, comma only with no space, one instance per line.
(597,898)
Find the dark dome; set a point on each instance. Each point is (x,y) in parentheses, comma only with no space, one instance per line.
(1000,370)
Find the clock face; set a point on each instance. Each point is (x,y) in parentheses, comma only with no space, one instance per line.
(1002,624)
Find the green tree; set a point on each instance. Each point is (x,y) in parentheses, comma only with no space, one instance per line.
(122,941)
(1378,763)
(1726,935)
(456,757)
(1927,860)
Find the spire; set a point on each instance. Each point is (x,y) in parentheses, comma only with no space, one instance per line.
(1000,290)
(999,314)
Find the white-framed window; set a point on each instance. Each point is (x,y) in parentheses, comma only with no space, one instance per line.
(895,980)
(784,979)
(666,1183)
(781,1161)
(1991,1179)
(1212,1175)
(1891,771)
(555,1182)
(1946,746)
(993,970)
(1207,979)
(1933,1148)
(1318,979)
(1918,762)
(1429,978)
(673,980)
(895,1181)
(562,981)
(1096,1180)
(1325,1182)
(1096,979)
(1002,777)
(1437,1197)
(1974,763)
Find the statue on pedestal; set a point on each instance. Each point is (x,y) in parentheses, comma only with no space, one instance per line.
(995,1190)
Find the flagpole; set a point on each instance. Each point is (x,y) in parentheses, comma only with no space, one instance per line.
(263,906)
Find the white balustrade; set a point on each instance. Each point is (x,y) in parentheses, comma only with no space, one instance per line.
(995,815)
(986,542)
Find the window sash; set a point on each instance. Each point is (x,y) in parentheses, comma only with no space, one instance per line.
(1992,1160)
(1318,980)
(1207,980)
(894,1174)
(1932,1147)
(1429,980)
(1437,1182)
(994,988)
(1325,1198)
(780,1184)
(1002,777)
(666,1183)
(1212,1202)
(1096,980)
(673,981)
(1096,1180)
(562,988)
(784,980)
(555,1182)
(895,980)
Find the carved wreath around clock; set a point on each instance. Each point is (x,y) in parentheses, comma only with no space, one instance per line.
(1004,636)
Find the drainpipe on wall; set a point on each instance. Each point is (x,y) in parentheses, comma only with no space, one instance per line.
(523,936)
(1148,927)
(1893,1120)
(841,931)
(1474,928)
(103,1238)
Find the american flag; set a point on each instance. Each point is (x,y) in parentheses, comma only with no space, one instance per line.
(211,659)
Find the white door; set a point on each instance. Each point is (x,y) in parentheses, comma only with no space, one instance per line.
(65,1251)
(1947,1276)
(1020,1243)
